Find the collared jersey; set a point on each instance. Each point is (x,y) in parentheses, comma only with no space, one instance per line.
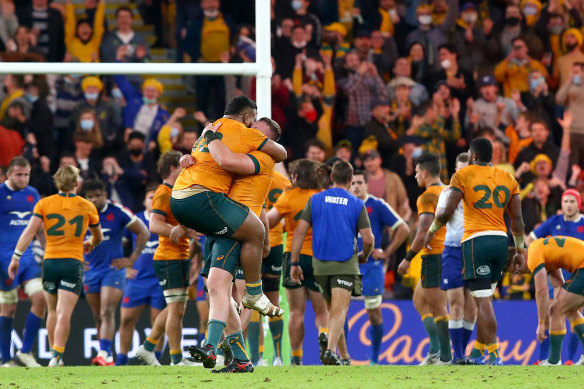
(558,252)
(16,208)
(290,204)
(556,225)
(167,250)
(486,192)
(144,264)
(427,203)
(66,218)
(114,220)
(279,184)
(252,190)
(206,172)
(381,215)
(455,226)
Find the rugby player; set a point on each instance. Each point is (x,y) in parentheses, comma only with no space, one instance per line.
(545,259)
(222,254)
(17,201)
(106,277)
(462,309)
(171,264)
(429,299)
(142,288)
(199,198)
(289,206)
(487,192)
(65,218)
(381,216)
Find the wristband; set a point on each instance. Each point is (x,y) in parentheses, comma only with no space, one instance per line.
(17,253)
(210,136)
(410,255)
(436,225)
(519,242)
(294,263)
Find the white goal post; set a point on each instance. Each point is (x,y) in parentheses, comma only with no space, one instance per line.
(262,68)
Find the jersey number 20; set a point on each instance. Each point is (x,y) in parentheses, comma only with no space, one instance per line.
(485,203)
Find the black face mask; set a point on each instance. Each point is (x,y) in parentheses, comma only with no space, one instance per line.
(512,21)
(571,46)
(135,152)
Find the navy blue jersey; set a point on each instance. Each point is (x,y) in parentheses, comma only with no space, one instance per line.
(16,208)
(144,263)
(381,215)
(113,219)
(556,225)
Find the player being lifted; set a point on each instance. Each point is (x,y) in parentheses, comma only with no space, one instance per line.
(487,192)
(199,199)
(105,279)
(65,218)
(429,299)
(546,258)
(381,216)
(17,201)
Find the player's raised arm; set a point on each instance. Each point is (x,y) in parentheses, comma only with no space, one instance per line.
(23,242)
(275,150)
(236,163)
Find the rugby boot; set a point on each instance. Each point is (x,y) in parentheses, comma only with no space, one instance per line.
(27,359)
(430,359)
(262,304)
(147,356)
(54,362)
(236,366)
(322,344)
(545,362)
(205,354)
(103,359)
(476,361)
(346,362)
(580,361)
(227,352)
(331,359)
(296,361)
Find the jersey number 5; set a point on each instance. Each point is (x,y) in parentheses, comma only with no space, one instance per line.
(484,202)
(56,229)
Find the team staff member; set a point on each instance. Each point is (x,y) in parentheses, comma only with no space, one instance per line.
(18,201)
(487,192)
(65,217)
(429,299)
(336,218)
(289,206)
(105,279)
(547,257)
(381,216)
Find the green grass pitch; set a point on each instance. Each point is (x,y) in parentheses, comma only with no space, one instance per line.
(432,377)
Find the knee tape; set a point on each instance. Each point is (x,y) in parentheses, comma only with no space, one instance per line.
(176,295)
(482,293)
(33,286)
(271,284)
(9,297)
(372,302)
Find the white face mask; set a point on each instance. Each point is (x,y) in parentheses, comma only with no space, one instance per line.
(469,17)
(445,64)
(211,14)
(425,20)
(299,45)
(417,152)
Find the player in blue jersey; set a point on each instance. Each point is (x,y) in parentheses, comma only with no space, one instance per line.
(17,201)
(381,216)
(105,277)
(142,287)
(569,223)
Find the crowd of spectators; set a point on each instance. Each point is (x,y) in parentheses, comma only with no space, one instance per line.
(373,82)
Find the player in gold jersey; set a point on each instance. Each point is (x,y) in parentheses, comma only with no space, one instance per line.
(486,192)
(65,218)
(429,299)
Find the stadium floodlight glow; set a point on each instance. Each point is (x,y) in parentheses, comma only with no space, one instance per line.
(261,69)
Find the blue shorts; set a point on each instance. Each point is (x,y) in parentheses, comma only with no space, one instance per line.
(97,279)
(27,270)
(201,294)
(451,268)
(143,292)
(373,278)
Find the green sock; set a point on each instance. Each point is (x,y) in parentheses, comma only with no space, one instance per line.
(253,338)
(493,350)
(150,344)
(579,330)
(277,329)
(444,338)
(478,350)
(430,327)
(254,288)
(556,340)
(215,330)
(236,343)
(176,356)
(58,352)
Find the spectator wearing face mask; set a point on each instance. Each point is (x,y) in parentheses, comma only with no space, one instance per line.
(571,95)
(88,126)
(513,28)
(171,131)
(311,22)
(572,40)
(83,38)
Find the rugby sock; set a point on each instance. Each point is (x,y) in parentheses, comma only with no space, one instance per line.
(430,327)
(176,356)
(296,356)
(493,350)
(376,335)
(106,345)
(58,352)
(277,329)
(150,344)
(216,328)
(456,330)
(236,343)
(573,343)
(578,327)
(544,347)
(122,360)
(444,338)
(5,337)
(253,337)
(468,328)
(158,354)
(31,329)
(478,350)
(261,350)
(556,339)
(254,288)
